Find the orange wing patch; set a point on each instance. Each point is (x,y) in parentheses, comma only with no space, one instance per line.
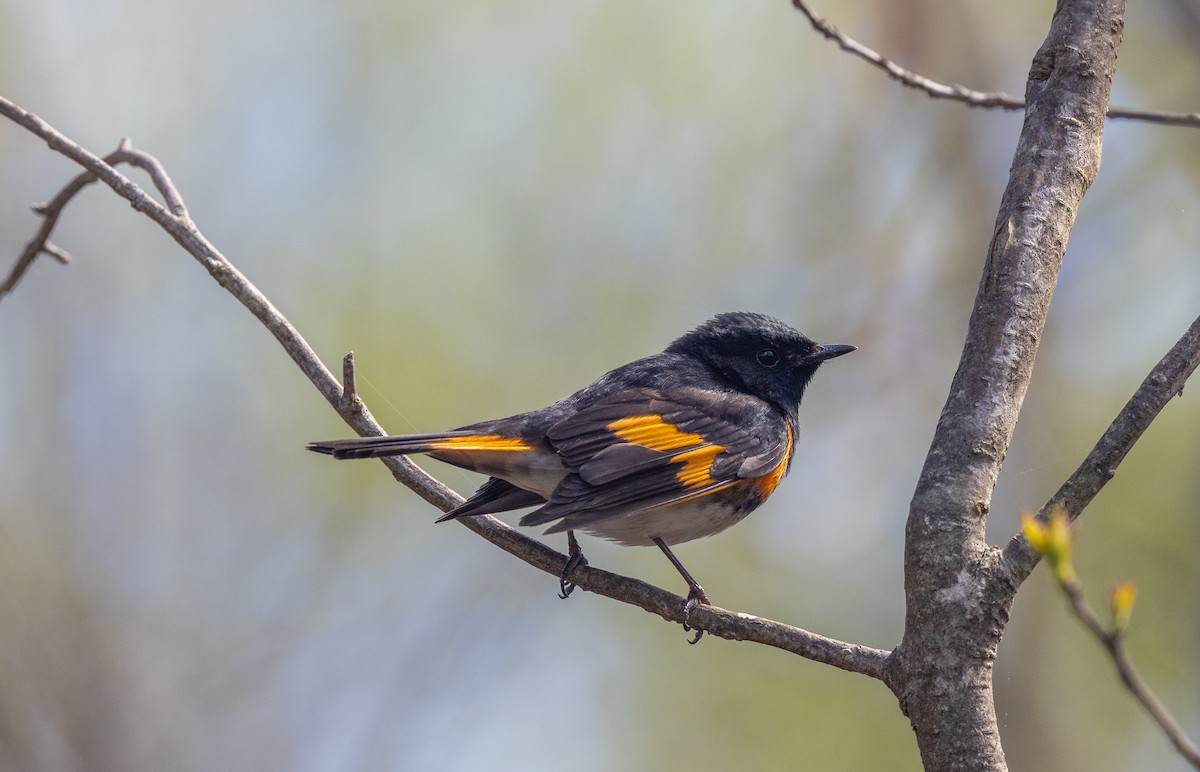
(493,442)
(769,482)
(651,431)
(696,466)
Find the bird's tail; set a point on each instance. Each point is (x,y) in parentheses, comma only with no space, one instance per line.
(404,444)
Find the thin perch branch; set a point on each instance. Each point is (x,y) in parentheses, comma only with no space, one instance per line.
(174,220)
(984,99)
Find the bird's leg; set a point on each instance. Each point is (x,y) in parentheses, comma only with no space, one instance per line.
(575,559)
(696,594)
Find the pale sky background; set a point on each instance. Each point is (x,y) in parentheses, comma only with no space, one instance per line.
(492,203)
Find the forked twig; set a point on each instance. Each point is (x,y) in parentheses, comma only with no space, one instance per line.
(40,244)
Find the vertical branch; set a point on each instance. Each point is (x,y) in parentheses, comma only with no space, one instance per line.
(956,606)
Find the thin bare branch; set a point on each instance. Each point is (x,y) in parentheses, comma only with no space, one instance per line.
(1165,381)
(984,99)
(174,220)
(350,401)
(40,244)
(349,389)
(55,251)
(1113,642)
(719,622)
(158,175)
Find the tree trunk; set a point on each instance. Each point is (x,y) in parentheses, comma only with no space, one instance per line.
(957,601)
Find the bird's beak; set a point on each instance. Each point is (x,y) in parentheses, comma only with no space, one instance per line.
(829,351)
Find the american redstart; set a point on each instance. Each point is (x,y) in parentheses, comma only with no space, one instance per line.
(660,451)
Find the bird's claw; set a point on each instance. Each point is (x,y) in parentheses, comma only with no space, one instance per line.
(575,559)
(696,597)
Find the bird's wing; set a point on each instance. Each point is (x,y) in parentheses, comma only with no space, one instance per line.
(648,448)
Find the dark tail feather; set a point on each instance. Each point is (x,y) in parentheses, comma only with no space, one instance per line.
(494,496)
(393,445)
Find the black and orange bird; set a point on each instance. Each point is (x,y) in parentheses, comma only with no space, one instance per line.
(660,451)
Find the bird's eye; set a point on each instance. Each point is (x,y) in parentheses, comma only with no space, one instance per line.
(768,357)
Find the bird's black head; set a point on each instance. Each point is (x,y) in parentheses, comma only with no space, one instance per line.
(758,354)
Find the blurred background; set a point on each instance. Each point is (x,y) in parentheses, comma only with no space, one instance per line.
(492,203)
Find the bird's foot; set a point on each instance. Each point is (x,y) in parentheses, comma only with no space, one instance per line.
(575,559)
(695,598)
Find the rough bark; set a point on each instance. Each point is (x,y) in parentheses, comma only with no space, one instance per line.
(957,599)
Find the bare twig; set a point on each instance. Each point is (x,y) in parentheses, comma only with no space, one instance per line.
(40,244)
(984,99)
(349,389)
(1113,642)
(1165,381)
(350,400)
(174,220)
(55,251)
(1051,538)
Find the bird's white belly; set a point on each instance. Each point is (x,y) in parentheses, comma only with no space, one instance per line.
(673,524)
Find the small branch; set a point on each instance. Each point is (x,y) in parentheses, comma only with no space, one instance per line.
(349,390)
(40,244)
(1113,642)
(984,99)
(350,400)
(55,251)
(1165,381)
(174,220)
(158,175)
(1190,120)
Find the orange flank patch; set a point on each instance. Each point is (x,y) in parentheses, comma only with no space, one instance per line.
(481,442)
(770,481)
(651,431)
